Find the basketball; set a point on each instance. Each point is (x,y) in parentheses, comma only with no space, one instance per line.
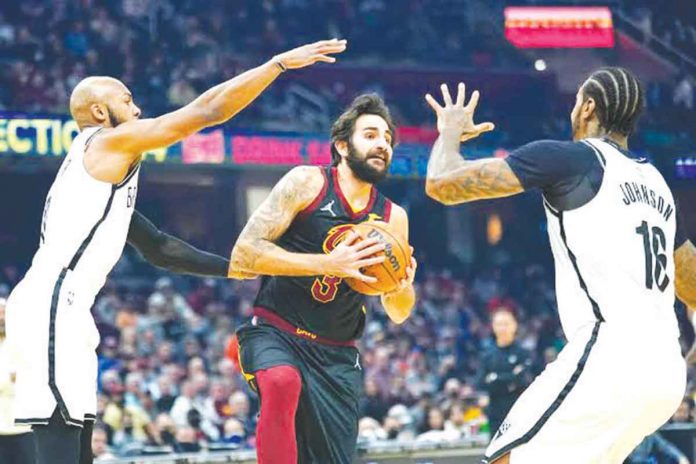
(390,272)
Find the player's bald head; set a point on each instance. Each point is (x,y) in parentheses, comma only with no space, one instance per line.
(93,101)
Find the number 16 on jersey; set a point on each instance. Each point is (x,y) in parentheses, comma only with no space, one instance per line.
(654,244)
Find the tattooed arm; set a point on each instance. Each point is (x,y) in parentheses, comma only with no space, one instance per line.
(685,270)
(256,252)
(450,178)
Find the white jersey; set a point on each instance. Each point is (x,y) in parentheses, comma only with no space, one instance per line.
(85,222)
(83,232)
(621,375)
(614,256)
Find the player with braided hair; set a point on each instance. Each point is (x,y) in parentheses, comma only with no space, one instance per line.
(620,258)
(618,97)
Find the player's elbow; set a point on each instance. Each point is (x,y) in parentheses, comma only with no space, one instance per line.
(431,189)
(212,117)
(242,258)
(437,190)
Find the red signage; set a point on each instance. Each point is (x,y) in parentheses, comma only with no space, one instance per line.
(266,150)
(204,148)
(319,152)
(559,27)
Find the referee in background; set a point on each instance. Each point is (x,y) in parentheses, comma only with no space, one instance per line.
(506,368)
(16,442)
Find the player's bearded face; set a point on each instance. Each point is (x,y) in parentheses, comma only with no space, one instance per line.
(122,111)
(114,120)
(366,166)
(117,117)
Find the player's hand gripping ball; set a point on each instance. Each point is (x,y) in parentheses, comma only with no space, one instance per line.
(397,257)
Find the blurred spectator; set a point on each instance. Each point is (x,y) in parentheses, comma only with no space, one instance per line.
(165,397)
(16,443)
(684,93)
(166,431)
(184,403)
(100,447)
(187,440)
(399,425)
(506,368)
(369,430)
(234,432)
(435,430)
(372,403)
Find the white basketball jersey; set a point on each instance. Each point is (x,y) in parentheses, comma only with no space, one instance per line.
(85,223)
(614,256)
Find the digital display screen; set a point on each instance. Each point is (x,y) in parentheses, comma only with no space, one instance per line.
(559,27)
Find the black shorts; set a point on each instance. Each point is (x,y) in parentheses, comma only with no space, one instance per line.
(332,381)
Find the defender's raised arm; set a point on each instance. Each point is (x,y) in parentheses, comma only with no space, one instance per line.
(126,137)
(450,178)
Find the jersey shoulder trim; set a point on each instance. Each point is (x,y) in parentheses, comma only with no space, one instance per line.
(387,209)
(128,177)
(91,137)
(597,152)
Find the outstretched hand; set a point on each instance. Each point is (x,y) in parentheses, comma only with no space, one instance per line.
(456,116)
(309,54)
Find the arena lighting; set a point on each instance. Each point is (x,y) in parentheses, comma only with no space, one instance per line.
(559,27)
(685,167)
(540,65)
(494,229)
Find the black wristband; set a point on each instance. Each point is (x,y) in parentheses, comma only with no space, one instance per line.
(280,64)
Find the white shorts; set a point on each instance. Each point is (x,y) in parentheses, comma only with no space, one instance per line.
(596,402)
(53,337)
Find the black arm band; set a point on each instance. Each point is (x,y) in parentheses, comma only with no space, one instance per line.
(171,253)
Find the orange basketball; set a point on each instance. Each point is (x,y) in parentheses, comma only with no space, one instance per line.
(390,272)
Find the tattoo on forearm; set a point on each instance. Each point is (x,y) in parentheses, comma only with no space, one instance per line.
(270,221)
(452,179)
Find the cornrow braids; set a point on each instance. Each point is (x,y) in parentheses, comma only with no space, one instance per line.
(618,96)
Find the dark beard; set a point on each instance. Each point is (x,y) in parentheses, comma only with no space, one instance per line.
(112,118)
(362,169)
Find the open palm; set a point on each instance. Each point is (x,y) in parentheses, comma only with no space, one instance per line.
(457,116)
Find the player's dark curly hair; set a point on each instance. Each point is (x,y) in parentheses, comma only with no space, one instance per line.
(618,97)
(344,126)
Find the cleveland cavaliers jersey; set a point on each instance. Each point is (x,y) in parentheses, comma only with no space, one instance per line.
(85,223)
(324,305)
(614,255)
